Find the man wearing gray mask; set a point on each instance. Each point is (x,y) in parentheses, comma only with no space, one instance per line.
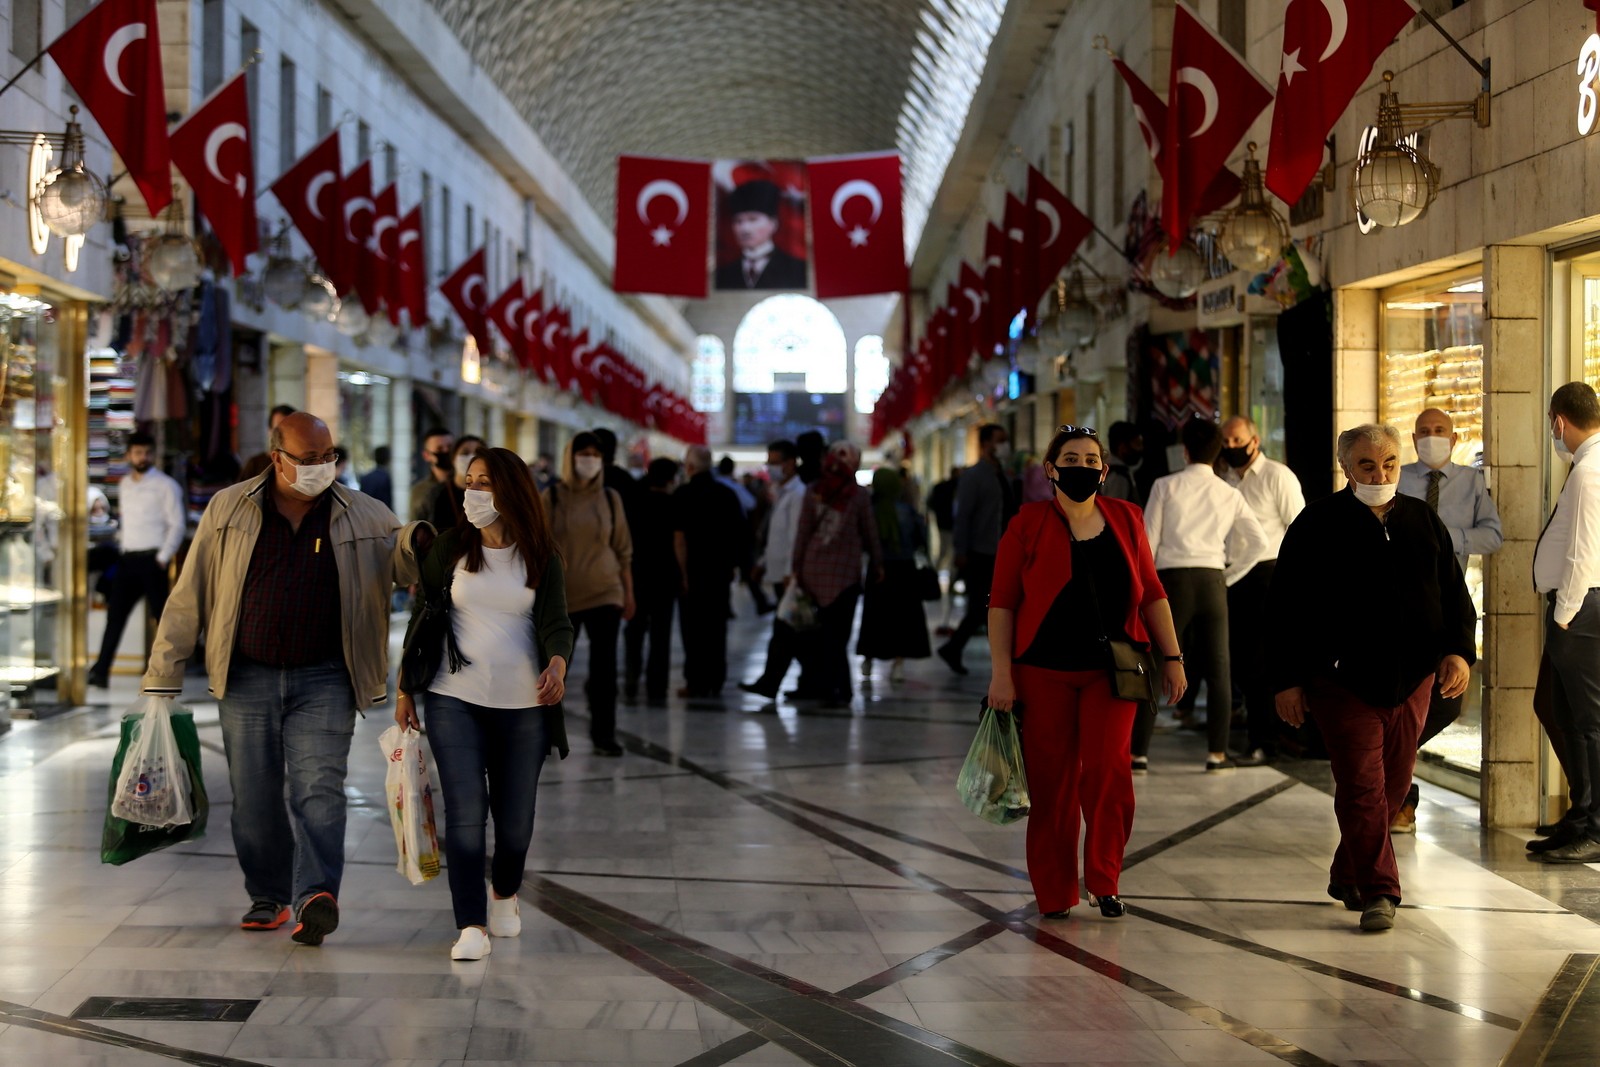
(290,575)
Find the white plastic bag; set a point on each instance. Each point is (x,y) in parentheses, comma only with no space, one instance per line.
(410,795)
(153,788)
(797,609)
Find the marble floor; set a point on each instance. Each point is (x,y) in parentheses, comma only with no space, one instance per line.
(757,885)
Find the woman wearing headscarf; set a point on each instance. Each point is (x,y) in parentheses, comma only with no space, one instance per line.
(893,625)
(1073,573)
(591,531)
(836,529)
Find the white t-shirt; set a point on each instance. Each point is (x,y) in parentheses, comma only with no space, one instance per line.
(491,613)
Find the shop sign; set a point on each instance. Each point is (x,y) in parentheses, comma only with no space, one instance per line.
(38,167)
(1369,137)
(1588,68)
(1218,303)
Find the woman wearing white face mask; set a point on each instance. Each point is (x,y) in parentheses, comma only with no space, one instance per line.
(591,530)
(494,705)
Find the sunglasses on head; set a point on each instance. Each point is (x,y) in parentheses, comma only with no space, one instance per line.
(1086,431)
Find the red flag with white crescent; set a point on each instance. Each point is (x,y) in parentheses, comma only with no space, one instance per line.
(312,193)
(212,150)
(996,287)
(359,211)
(506,314)
(975,309)
(663,226)
(1327,55)
(1022,261)
(112,57)
(1150,112)
(1213,97)
(467,290)
(1059,228)
(857,236)
(534,358)
(383,245)
(411,278)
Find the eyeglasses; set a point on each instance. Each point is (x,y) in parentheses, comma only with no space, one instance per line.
(1086,431)
(309,461)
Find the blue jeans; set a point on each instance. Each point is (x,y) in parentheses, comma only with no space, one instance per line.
(291,726)
(489,761)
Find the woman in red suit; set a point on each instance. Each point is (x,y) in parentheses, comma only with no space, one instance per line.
(1071,573)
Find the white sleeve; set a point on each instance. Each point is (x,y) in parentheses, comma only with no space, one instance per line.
(176,522)
(1576,578)
(1246,543)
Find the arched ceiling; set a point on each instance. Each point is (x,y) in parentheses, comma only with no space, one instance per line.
(711,79)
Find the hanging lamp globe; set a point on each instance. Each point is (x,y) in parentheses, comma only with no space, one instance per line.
(1253,234)
(71,198)
(1071,321)
(381,333)
(1177,274)
(284,281)
(1394,181)
(172,262)
(319,301)
(351,319)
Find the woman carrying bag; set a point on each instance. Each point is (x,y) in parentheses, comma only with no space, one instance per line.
(488,647)
(1076,596)
(893,626)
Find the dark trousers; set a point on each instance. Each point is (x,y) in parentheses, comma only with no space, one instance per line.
(978,575)
(1248,627)
(652,620)
(489,761)
(1442,711)
(1575,706)
(703,619)
(782,649)
(600,687)
(1199,599)
(1372,751)
(825,650)
(138,577)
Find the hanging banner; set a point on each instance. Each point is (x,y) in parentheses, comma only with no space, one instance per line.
(761,224)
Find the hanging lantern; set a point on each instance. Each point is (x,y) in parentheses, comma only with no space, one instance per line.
(319,301)
(351,319)
(995,372)
(1071,321)
(172,262)
(1177,275)
(1028,353)
(1394,179)
(1253,234)
(70,199)
(381,333)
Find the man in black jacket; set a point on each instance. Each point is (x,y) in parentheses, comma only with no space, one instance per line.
(1369,613)
(753,209)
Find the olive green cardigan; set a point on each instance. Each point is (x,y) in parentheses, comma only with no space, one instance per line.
(553,634)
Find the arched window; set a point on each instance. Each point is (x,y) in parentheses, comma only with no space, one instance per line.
(710,379)
(794,337)
(872,372)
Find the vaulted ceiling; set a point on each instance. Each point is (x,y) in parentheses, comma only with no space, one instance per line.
(709,79)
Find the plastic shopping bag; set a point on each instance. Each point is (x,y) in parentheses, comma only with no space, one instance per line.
(152,786)
(123,839)
(410,796)
(992,782)
(797,610)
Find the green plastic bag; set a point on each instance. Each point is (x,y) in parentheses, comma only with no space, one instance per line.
(992,783)
(122,840)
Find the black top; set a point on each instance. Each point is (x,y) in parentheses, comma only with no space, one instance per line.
(1070,638)
(289,611)
(782,271)
(655,563)
(714,529)
(1370,605)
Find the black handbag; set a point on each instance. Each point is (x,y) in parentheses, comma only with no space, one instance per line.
(1133,669)
(428,637)
(928,587)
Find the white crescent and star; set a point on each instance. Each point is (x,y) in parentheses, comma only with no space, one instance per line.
(1048,210)
(975,300)
(510,312)
(117,44)
(409,236)
(530,321)
(662,235)
(1208,89)
(228,131)
(314,188)
(1151,138)
(551,327)
(1291,66)
(375,242)
(350,208)
(475,280)
(1339,15)
(850,190)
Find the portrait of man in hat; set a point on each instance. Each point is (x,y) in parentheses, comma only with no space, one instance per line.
(752,211)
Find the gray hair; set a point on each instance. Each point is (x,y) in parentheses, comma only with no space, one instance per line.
(698,456)
(1371,432)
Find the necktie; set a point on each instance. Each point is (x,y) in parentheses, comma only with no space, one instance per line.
(1434,478)
(750,273)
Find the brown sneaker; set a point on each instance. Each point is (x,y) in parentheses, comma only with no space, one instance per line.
(1405,821)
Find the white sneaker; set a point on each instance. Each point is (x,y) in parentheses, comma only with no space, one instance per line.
(473,944)
(505,918)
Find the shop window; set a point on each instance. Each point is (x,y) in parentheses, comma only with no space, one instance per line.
(211,33)
(249,44)
(286,113)
(709,382)
(324,113)
(872,373)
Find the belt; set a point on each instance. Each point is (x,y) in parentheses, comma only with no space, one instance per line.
(143,552)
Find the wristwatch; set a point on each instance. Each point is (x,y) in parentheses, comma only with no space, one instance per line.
(1174,659)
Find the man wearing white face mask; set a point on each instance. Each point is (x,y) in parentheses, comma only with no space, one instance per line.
(1461,498)
(290,575)
(1362,555)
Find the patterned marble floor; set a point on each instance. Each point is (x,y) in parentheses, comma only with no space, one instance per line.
(752,886)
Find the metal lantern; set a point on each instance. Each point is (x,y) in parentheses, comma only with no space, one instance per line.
(351,319)
(319,301)
(71,198)
(995,372)
(172,262)
(1029,352)
(1253,234)
(284,281)
(381,333)
(1177,275)
(1394,180)
(1071,321)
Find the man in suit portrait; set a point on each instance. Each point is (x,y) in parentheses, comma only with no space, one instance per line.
(753,210)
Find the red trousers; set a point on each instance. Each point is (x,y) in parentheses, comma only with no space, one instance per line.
(1372,751)
(1075,736)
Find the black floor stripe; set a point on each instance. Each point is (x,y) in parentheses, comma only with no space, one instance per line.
(1561,1029)
(1323,902)
(34,1019)
(1210,822)
(782,883)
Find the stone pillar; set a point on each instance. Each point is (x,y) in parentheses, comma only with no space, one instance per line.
(1514,449)
(1356,368)
(322,387)
(402,441)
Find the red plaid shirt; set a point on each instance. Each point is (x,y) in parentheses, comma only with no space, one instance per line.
(290,611)
(829,544)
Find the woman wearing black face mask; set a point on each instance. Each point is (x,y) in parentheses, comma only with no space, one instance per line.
(1072,573)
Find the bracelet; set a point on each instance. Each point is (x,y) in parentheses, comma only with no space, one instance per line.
(1174,659)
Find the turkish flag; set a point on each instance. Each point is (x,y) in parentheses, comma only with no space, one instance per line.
(382,247)
(506,314)
(1150,111)
(112,57)
(1327,54)
(1059,228)
(312,193)
(410,274)
(1021,259)
(857,239)
(663,226)
(467,291)
(581,352)
(359,211)
(960,327)
(556,337)
(212,148)
(531,352)
(996,287)
(1212,99)
(975,309)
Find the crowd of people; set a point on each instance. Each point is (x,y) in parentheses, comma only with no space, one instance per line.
(1091,593)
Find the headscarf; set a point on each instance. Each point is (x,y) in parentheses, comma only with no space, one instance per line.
(887,488)
(837,485)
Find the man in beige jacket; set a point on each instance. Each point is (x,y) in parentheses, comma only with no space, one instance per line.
(289,578)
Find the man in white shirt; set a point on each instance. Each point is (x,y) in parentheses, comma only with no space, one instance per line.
(1460,497)
(1273,493)
(777,562)
(153,527)
(1204,539)
(1566,568)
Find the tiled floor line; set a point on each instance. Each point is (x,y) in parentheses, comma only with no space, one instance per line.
(1549,1037)
(34,1019)
(789,884)
(1323,903)
(1234,1027)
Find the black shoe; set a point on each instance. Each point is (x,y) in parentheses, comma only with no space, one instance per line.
(1564,835)
(1257,758)
(1111,906)
(611,750)
(1582,849)
(319,917)
(1549,829)
(1379,914)
(1348,895)
(759,690)
(953,659)
(1062,914)
(97,679)
(1226,763)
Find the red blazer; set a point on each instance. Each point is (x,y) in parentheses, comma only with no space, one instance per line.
(1034,564)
